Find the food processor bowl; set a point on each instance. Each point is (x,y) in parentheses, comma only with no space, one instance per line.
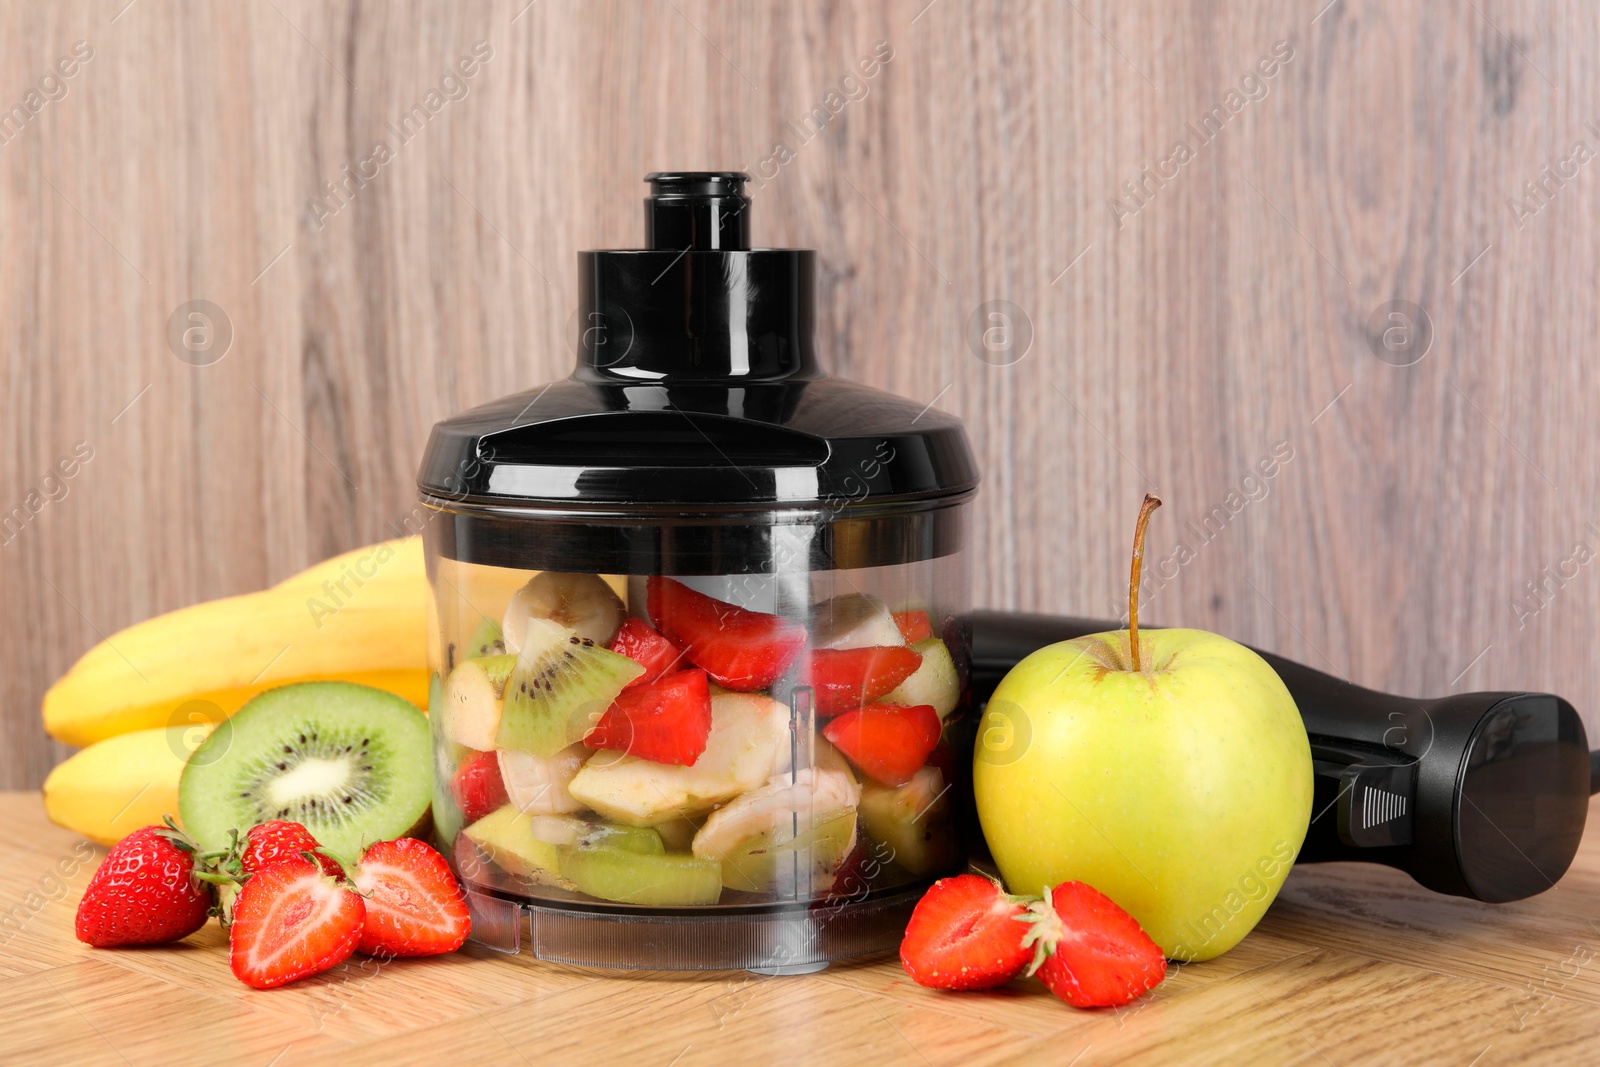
(700,684)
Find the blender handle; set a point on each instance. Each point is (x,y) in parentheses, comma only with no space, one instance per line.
(1387,769)
(1328,705)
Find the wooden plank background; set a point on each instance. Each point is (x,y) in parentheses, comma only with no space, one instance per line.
(1234,307)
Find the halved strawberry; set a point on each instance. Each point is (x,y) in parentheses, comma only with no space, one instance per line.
(846,678)
(667,722)
(740,649)
(478,787)
(279,839)
(1090,952)
(914,625)
(966,933)
(415,906)
(640,642)
(888,742)
(291,921)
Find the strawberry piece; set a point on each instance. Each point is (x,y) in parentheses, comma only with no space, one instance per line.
(1090,952)
(415,906)
(478,787)
(277,840)
(966,933)
(914,625)
(846,678)
(740,649)
(144,893)
(667,722)
(888,742)
(640,642)
(291,921)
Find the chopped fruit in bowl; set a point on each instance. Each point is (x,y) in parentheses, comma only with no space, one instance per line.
(854,620)
(741,649)
(669,767)
(846,678)
(640,642)
(914,626)
(888,742)
(478,786)
(561,679)
(666,721)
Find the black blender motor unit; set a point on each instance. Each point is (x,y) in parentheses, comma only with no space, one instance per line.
(1479,795)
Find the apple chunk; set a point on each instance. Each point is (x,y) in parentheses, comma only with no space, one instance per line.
(748,744)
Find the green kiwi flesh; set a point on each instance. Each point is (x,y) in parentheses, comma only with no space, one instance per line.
(486,640)
(351,763)
(560,687)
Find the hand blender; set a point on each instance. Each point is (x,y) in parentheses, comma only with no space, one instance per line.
(1479,795)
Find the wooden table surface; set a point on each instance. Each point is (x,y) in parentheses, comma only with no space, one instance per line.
(1352,965)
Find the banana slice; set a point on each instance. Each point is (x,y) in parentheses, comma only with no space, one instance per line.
(814,791)
(812,818)
(584,603)
(537,785)
(854,620)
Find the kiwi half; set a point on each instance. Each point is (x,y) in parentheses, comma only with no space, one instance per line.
(351,763)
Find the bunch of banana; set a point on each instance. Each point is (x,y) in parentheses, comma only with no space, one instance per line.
(144,698)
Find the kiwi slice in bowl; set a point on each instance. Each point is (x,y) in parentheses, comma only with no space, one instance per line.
(351,763)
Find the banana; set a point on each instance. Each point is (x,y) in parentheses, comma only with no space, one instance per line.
(399,560)
(854,620)
(225,651)
(584,603)
(538,785)
(112,788)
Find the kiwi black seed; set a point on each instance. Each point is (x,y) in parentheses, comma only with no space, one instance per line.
(351,763)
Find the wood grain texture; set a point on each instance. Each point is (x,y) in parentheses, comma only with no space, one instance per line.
(1174,346)
(1352,965)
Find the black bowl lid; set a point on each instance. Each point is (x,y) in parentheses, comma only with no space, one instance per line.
(698,384)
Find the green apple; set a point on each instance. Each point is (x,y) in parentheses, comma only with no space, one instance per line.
(1169,769)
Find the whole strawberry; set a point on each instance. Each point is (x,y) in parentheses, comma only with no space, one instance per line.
(145,893)
(277,840)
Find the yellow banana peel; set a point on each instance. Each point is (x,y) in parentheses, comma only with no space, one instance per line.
(328,623)
(112,788)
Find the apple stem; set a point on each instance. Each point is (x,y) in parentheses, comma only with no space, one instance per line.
(1151,502)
